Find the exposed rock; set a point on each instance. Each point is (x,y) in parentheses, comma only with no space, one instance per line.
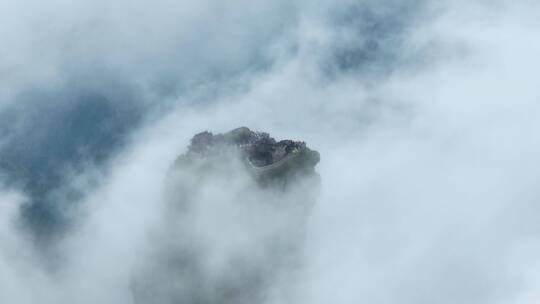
(261,154)
(234,221)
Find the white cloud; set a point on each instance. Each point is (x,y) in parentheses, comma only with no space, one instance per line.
(429,170)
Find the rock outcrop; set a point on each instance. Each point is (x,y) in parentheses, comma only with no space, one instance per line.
(264,157)
(234,221)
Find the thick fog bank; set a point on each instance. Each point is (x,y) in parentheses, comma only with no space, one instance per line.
(425,115)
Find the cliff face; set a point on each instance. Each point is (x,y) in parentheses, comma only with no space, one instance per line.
(233,226)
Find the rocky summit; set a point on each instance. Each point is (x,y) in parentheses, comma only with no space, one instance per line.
(264,157)
(234,220)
